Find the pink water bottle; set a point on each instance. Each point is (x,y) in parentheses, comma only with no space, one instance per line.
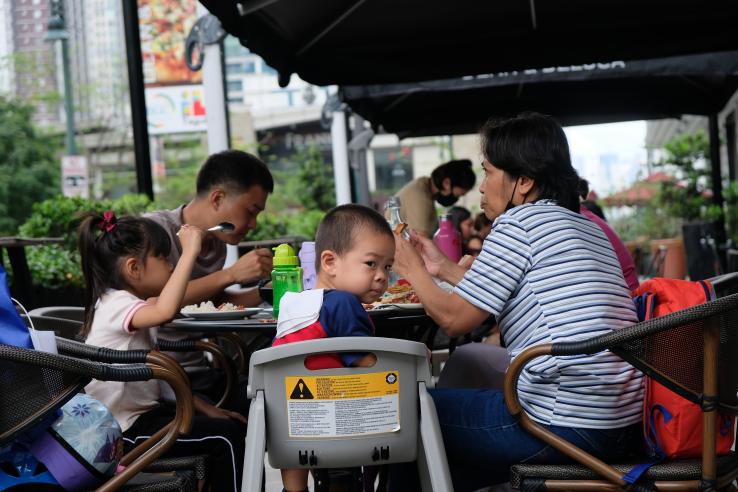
(447,239)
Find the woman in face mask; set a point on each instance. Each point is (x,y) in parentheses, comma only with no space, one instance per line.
(445,185)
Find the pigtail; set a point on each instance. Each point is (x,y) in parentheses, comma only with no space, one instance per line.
(87,236)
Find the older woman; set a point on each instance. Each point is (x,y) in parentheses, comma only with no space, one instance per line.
(547,274)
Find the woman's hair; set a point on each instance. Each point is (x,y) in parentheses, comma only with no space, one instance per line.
(535,146)
(104,243)
(459,172)
(458,215)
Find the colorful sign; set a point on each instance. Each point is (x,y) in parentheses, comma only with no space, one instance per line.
(164,26)
(352,405)
(175,109)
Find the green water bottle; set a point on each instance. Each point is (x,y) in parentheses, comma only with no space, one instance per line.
(287,274)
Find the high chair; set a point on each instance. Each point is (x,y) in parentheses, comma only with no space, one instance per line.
(346,417)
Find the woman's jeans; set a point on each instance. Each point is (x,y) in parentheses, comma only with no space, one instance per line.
(483,440)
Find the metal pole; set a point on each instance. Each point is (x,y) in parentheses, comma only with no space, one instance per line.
(138,99)
(717,178)
(340,158)
(68,100)
(57,32)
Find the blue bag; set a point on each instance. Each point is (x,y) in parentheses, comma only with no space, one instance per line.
(12,329)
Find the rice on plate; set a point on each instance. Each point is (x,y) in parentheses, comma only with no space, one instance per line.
(209,307)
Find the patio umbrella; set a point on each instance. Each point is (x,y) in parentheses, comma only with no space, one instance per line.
(381,41)
(575,95)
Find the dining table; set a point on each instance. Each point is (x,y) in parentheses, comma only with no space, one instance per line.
(409,322)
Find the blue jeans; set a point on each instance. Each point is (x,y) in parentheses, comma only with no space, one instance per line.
(483,440)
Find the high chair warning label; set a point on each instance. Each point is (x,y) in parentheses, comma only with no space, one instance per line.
(351,405)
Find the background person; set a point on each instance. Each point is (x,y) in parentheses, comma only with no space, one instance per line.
(590,210)
(445,185)
(482,225)
(547,274)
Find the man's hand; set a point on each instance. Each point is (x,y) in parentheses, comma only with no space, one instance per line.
(254,265)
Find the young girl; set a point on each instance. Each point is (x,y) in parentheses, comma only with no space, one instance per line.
(124,263)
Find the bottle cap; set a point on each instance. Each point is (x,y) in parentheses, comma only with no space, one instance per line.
(284,255)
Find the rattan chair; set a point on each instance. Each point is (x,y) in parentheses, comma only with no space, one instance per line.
(68,327)
(35,384)
(693,353)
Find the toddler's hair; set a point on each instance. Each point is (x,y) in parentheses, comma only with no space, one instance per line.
(104,241)
(337,231)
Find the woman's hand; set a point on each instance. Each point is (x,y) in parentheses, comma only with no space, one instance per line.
(433,258)
(407,258)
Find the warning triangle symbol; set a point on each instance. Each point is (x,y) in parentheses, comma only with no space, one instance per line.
(301,391)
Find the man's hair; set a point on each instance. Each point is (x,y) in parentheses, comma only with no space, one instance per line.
(235,171)
(340,225)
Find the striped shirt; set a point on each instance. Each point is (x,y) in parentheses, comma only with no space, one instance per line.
(550,275)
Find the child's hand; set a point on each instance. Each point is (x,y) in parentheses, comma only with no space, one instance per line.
(191,239)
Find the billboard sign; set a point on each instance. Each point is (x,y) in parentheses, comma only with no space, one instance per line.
(175,109)
(164,25)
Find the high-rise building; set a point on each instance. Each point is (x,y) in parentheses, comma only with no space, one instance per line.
(33,64)
(6,49)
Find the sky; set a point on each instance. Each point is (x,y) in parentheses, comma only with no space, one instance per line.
(609,156)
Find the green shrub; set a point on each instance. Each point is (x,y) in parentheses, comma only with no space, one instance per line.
(59,265)
(270,226)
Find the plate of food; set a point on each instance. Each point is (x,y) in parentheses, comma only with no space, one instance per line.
(209,311)
(400,296)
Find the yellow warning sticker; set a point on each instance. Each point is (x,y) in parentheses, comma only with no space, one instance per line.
(350,405)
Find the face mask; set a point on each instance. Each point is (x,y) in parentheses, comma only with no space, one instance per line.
(445,201)
(509,202)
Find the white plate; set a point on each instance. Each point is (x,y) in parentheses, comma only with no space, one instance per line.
(213,315)
(415,305)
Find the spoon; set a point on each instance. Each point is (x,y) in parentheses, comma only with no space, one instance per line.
(223,227)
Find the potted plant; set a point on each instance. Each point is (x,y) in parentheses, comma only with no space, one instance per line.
(687,199)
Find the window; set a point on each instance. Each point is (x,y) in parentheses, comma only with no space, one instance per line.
(240,67)
(393,167)
(234,85)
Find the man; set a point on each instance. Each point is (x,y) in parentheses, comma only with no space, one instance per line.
(232,186)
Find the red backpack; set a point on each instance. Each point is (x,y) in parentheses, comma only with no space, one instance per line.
(673,425)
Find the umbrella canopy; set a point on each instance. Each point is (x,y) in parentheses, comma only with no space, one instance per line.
(575,95)
(382,41)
